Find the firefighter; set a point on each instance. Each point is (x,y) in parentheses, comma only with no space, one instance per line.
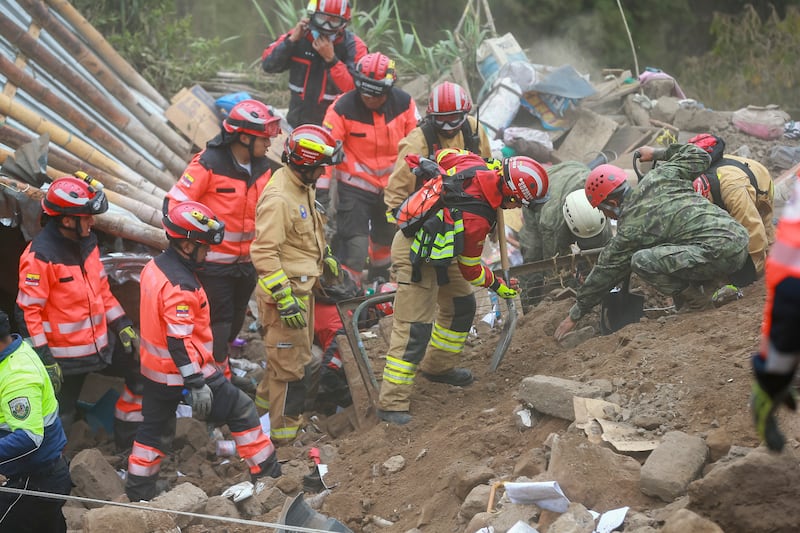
(742,187)
(666,234)
(775,364)
(432,315)
(67,305)
(228,176)
(31,439)
(370,121)
(320,55)
(176,358)
(447,124)
(289,252)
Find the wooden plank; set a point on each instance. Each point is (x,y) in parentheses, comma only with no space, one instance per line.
(360,390)
(587,137)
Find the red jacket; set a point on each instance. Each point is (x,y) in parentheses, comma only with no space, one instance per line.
(370,138)
(67,302)
(176,339)
(214,179)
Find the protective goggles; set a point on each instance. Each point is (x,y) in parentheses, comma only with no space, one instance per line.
(374,88)
(324,21)
(450,121)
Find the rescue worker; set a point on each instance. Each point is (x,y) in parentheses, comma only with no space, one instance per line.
(370,121)
(177,363)
(228,176)
(775,363)
(68,308)
(31,439)
(744,188)
(447,124)
(320,55)
(434,312)
(669,236)
(551,228)
(289,252)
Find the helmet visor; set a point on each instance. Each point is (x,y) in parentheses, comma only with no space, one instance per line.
(323,21)
(449,121)
(370,87)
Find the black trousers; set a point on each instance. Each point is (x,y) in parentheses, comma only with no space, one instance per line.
(32,514)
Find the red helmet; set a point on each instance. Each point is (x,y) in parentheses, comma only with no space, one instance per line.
(602,181)
(253,118)
(375,74)
(703,187)
(525,180)
(328,16)
(449,104)
(712,144)
(193,221)
(75,196)
(312,146)
(387,308)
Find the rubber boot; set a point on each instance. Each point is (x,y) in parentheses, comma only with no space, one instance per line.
(458,377)
(399,418)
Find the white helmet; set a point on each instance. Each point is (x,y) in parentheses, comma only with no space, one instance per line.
(582,219)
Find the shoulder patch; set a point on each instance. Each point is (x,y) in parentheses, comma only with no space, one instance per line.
(32,279)
(187,180)
(20,407)
(182,310)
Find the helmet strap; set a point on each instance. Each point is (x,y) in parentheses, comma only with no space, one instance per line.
(188,258)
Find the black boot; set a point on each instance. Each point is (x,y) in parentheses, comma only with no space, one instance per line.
(458,377)
(398,418)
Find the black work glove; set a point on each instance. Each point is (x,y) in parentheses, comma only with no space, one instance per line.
(769,392)
(51,365)
(271,467)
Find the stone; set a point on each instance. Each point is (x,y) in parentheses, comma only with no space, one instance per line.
(684,520)
(126,520)
(467,478)
(185,497)
(719,444)
(221,506)
(675,463)
(577,519)
(94,477)
(553,396)
(475,502)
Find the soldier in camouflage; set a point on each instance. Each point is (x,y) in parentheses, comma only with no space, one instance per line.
(665,234)
(546,233)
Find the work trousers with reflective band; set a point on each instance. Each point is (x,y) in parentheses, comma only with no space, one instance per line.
(228,288)
(361,226)
(154,439)
(670,269)
(283,388)
(430,326)
(32,514)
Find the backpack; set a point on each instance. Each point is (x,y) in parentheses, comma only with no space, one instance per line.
(433,216)
(472,139)
(713,180)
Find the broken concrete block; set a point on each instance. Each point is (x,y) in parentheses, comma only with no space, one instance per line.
(94,477)
(670,468)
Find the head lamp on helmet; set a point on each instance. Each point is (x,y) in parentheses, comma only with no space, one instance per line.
(375,75)
(193,221)
(525,181)
(78,195)
(311,146)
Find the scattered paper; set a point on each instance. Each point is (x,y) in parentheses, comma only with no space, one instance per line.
(183,411)
(611,520)
(239,492)
(522,527)
(626,438)
(545,494)
(265,427)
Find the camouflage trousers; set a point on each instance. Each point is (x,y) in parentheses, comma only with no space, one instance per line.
(670,269)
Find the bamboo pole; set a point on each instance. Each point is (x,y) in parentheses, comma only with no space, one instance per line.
(89,94)
(112,223)
(145,213)
(107,77)
(85,124)
(107,52)
(64,160)
(79,147)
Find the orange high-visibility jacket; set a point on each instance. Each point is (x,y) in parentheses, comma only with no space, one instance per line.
(214,179)
(66,300)
(175,323)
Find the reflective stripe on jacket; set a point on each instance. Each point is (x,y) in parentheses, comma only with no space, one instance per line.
(66,300)
(215,179)
(176,339)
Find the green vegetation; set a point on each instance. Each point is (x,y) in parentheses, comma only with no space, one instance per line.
(160,45)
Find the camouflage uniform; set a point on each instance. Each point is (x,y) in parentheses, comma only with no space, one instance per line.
(545,232)
(667,234)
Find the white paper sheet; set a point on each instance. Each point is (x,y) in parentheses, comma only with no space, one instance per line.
(545,494)
(611,520)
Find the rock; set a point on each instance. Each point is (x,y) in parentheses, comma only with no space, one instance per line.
(665,109)
(675,463)
(465,479)
(685,520)
(74,516)
(756,493)
(475,502)
(574,338)
(394,464)
(126,520)
(192,432)
(553,396)
(594,475)
(94,477)
(221,506)
(719,443)
(263,502)
(577,519)
(185,497)
(531,463)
